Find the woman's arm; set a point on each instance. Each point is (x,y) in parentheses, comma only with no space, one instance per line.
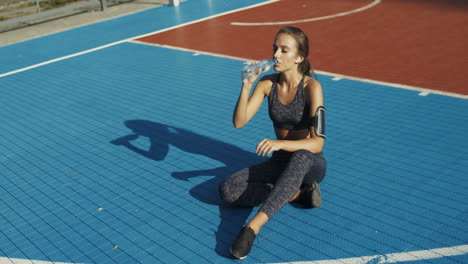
(314,143)
(247,107)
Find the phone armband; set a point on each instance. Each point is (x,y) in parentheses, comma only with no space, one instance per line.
(319,122)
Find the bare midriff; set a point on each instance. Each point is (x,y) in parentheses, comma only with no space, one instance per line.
(284,134)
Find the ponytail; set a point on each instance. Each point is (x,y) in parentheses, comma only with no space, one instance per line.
(305,67)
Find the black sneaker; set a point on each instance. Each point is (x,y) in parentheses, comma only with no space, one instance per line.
(243,244)
(311,197)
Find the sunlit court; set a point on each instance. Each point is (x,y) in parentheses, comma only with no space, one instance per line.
(115,136)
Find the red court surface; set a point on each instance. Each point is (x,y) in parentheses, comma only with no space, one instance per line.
(419,43)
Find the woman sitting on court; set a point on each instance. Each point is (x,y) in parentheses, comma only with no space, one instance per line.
(295,105)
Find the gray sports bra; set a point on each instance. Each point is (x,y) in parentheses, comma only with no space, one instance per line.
(293,116)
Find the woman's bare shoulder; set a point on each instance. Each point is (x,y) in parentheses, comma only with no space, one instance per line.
(311,83)
(266,82)
(312,90)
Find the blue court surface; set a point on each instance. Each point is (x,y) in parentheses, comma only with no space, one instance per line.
(114,156)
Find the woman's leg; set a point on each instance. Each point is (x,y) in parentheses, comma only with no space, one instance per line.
(314,176)
(318,169)
(289,182)
(250,186)
(285,187)
(310,194)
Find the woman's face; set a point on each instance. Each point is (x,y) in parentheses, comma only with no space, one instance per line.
(285,52)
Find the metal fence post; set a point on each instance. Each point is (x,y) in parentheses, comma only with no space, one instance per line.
(174,2)
(103,4)
(38,7)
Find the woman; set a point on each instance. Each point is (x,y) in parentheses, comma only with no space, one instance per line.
(295,104)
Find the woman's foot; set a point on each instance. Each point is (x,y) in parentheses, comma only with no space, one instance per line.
(243,244)
(311,196)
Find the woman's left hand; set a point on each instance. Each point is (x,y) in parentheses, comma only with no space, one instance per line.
(266,146)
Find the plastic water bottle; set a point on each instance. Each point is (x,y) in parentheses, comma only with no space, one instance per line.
(251,69)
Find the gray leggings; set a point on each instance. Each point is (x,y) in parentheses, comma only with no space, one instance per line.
(274,182)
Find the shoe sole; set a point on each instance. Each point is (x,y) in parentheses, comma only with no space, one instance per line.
(236,256)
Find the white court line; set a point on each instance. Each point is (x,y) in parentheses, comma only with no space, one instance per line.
(336,76)
(376,259)
(376,2)
(425,91)
(195,52)
(132,38)
(4,260)
(396,257)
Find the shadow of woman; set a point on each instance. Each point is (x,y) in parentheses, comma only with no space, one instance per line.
(162,136)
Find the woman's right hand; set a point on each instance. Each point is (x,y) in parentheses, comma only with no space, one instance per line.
(251,80)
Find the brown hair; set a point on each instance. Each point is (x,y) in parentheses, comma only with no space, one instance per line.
(302,46)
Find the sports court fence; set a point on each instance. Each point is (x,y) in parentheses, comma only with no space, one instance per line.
(18,13)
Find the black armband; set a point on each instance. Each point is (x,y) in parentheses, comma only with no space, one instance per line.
(319,122)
